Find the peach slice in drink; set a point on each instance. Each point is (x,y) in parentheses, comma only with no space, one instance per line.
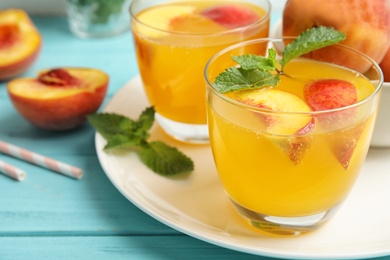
(162,19)
(231,16)
(283,124)
(189,18)
(330,94)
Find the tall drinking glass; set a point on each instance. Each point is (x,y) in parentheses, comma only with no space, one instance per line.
(174,40)
(285,166)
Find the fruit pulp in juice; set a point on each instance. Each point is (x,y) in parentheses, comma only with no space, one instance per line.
(171,63)
(289,175)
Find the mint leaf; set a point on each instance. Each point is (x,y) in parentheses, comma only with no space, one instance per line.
(252,73)
(164,159)
(310,40)
(122,132)
(108,124)
(238,78)
(255,71)
(119,131)
(145,120)
(251,61)
(123,141)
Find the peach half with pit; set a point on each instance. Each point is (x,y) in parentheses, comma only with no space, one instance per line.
(288,116)
(20,42)
(59,99)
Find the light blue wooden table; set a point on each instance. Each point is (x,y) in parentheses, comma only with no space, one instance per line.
(48,216)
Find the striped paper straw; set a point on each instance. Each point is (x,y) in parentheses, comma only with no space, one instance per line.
(12,171)
(41,160)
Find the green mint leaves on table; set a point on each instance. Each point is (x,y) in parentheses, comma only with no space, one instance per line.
(123,132)
(256,71)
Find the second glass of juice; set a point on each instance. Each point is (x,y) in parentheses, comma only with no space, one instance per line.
(289,155)
(174,40)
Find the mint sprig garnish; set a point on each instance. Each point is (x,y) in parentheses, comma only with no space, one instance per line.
(126,133)
(310,40)
(254,72)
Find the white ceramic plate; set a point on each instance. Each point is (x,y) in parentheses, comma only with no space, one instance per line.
(196,204)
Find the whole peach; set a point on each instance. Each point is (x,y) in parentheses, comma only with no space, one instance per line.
(366,24)
(385,66)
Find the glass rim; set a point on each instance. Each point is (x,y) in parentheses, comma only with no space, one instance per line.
(264,110)
(263,19)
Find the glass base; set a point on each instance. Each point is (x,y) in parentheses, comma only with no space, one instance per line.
(188,133)
(290,226)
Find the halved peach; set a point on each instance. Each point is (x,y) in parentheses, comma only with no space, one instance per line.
(20,42)
(59,99)
(291,127)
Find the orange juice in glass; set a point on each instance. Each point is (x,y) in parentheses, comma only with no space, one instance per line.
(286,159)
(174,40)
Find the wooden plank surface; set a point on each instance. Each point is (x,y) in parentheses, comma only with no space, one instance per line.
(115,247)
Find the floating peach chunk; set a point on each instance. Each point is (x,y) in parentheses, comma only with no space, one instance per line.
(231,16)
(280,125)
(330,94)
(161,19)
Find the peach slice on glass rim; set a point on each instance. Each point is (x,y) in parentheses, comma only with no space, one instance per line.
(20,42)
(59,99)
(283,124)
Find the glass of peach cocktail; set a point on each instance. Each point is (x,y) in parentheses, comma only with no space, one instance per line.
(174,40)
(289,153)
